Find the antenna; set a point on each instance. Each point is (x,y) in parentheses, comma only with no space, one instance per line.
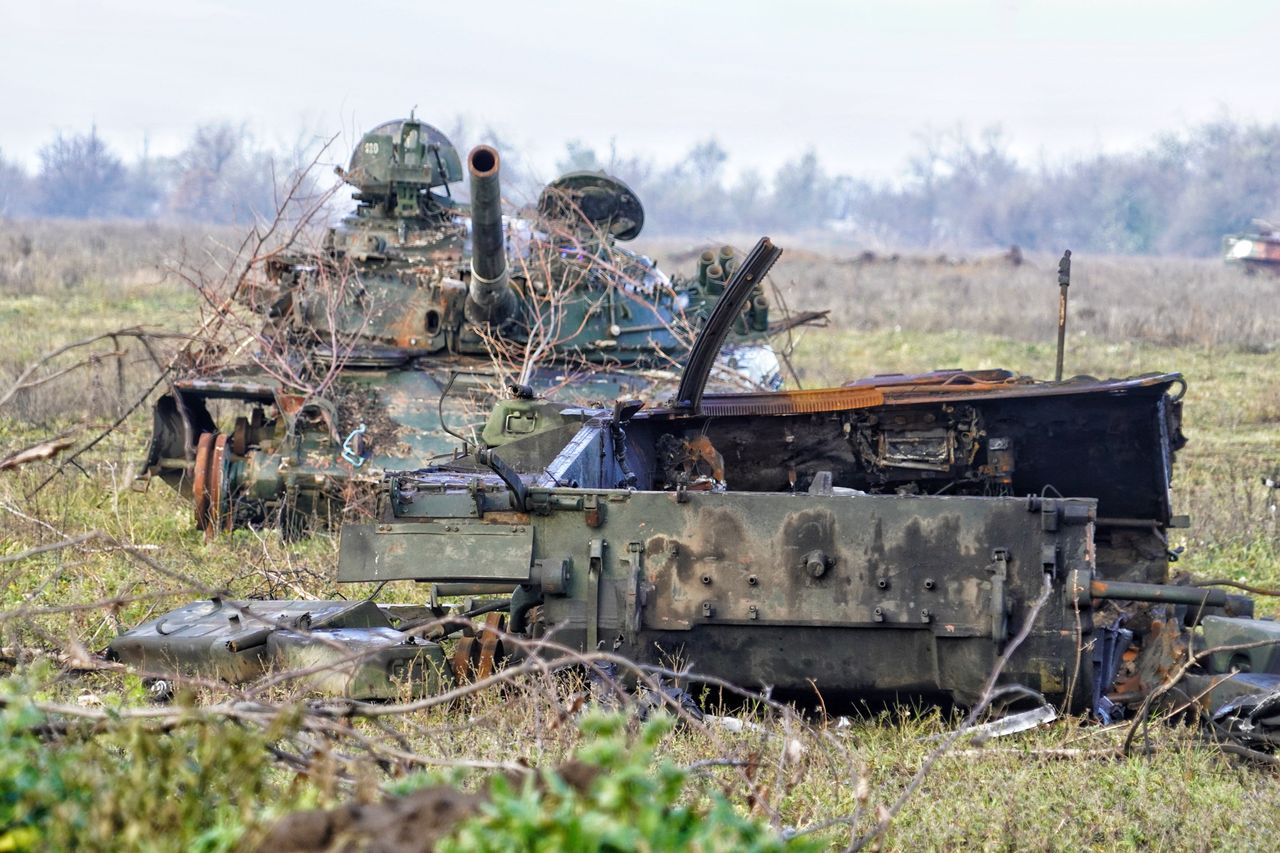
(1064,281)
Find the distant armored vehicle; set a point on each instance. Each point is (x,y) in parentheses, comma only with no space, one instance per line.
(1255,250)
(887,539)
(414,317)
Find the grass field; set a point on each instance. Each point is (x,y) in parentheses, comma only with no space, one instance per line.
(1061,786)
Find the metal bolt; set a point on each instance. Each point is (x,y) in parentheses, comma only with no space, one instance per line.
(879,614)
(753,612)
(706,579)
(815,563)
(708,610)
(752,580)
(883,583)
(925,615)
(929,584)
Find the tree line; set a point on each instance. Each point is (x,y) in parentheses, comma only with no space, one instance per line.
(1176,195)
(221,176)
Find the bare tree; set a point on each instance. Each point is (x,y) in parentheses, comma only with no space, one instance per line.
(15,189)
(79,177)
(222,177)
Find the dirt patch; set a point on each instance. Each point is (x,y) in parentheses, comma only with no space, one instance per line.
(409,824)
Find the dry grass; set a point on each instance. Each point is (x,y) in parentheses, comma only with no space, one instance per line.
(1173,302)
(63,282)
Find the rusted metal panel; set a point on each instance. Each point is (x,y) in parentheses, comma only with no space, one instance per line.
(941,387)
(791,402)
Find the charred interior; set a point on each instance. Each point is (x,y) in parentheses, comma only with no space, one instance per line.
(1113,441)
(1114,447)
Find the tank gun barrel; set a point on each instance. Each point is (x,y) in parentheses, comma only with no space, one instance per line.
(1159,593)
(489,298)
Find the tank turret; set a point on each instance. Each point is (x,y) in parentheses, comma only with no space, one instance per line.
(397,164)
(489,297)
(363,338)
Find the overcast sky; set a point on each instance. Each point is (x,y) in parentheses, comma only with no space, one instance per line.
(858,81)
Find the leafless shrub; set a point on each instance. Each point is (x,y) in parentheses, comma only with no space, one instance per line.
(567,274)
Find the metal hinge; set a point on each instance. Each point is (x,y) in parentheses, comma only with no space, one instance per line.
(999,569)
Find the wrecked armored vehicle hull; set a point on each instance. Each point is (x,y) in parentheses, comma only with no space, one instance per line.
(855,597)
(794,581)
(898,538)
(760,543)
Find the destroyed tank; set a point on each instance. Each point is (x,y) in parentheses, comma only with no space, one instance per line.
(417,311)
(896,538)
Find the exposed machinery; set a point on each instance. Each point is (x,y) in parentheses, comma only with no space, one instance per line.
(415,294)
(882,540)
